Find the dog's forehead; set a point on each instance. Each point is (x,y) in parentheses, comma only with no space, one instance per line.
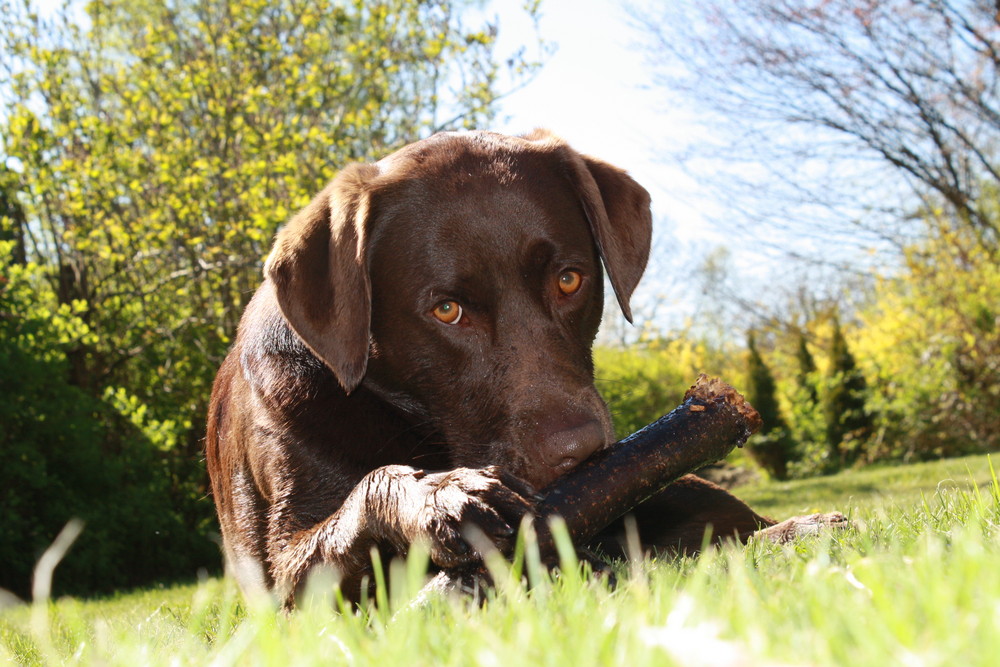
(447,152)
(476,192)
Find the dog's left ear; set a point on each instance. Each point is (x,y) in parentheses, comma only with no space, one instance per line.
(618,211)
(622,223)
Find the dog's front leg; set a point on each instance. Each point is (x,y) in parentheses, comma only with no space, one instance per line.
(393,507)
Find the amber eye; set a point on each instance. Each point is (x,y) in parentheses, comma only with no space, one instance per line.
(448,312)
(570,281)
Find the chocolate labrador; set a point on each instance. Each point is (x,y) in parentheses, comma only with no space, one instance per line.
(418,360)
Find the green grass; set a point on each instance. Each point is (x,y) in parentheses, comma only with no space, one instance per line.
(869,489)
(918,582)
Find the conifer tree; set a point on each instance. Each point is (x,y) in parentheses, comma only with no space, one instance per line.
(772,448)
(848,422)
(807,366)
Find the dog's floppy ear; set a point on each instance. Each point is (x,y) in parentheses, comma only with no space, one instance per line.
(320,274)
(618,211)
(620,219)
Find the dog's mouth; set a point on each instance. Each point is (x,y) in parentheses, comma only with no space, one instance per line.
(542,478)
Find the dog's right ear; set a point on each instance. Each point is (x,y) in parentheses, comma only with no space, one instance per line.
(320,274)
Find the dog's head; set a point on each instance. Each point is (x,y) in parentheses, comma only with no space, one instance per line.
(460,279)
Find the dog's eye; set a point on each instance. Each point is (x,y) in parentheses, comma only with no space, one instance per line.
(448,312)
(570,281)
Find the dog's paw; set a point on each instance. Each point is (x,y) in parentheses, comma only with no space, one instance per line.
(800,526)
(469,511)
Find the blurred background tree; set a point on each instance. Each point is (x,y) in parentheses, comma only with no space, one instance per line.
(853,145)
(837,119)
(772,448)
(848,423)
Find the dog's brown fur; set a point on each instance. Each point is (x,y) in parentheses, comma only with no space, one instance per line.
(347,416)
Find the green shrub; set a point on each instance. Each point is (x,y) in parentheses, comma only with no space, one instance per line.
(638,385)
(67,454)
(642,382)
(930,343)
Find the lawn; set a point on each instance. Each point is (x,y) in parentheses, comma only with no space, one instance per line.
(917,582)
(877,487)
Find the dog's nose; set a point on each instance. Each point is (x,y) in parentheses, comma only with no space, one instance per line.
(566,440)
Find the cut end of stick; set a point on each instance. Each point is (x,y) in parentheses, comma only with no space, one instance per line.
(713,390)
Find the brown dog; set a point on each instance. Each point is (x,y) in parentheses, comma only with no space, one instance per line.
(418,359)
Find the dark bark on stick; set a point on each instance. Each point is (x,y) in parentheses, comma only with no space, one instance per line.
(713,419)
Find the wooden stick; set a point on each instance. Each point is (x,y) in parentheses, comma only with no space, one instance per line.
(713,419)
